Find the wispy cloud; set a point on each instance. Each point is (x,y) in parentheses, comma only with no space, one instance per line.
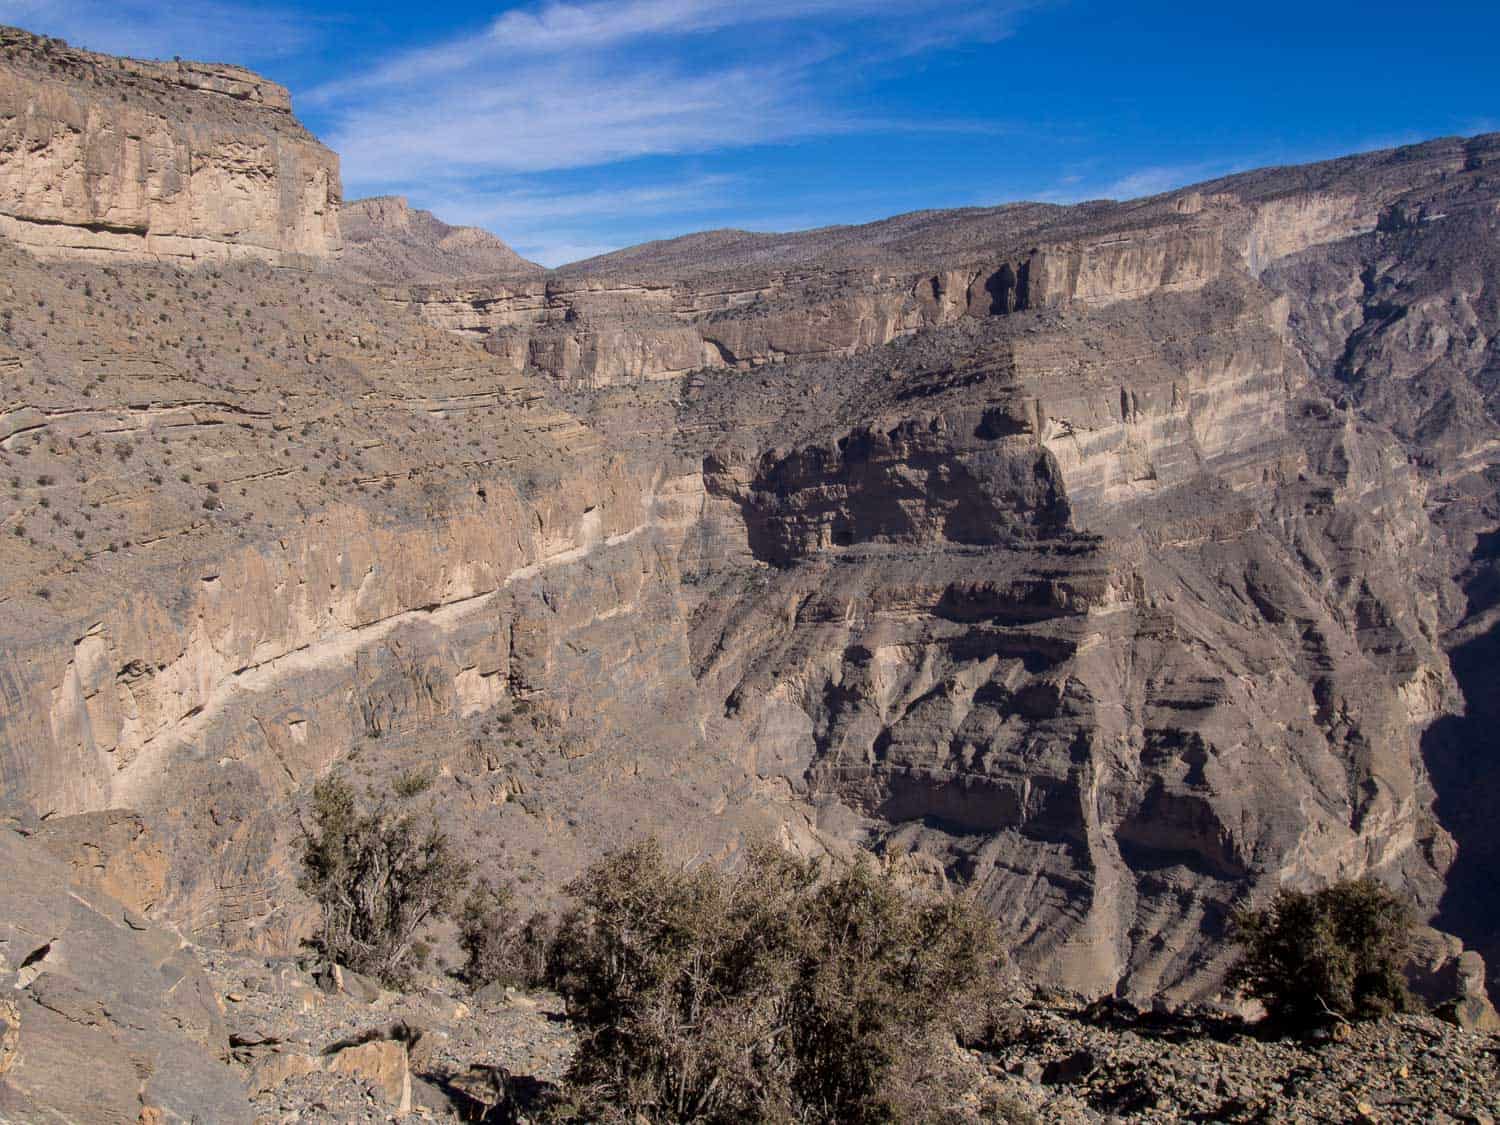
(571,113)
(210,30)
(561,29)
(535,205)
(1157,178)
(1093,179)
(567,85)
(554,227)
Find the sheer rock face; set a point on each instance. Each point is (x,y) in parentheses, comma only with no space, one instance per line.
(1405,323)
(1089,555)
(739,301)
(1087,635)
(122,160)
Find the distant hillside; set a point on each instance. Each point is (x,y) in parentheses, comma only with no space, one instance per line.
(386,240)
(911,235)
(922,240)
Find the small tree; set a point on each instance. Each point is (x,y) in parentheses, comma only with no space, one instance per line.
(378,879)
(775,992)
(498,948)
(1334,954)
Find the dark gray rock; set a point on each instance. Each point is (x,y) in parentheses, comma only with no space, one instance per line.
(130,1001)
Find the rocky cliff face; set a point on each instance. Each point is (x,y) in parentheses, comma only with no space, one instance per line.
(1402,325)
(1124,561)
(741,301)
(104,1017)
(1110,653)
(121,160)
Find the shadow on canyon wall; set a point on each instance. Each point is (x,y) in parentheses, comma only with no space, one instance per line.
(1461,756)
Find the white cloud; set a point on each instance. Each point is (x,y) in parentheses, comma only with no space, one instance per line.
(559,26)
(556,227)
(207,30)
(1155,179)
(459,204)
(571,114)
(567,85)
(557,29)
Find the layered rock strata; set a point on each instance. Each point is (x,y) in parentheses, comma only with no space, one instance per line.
(1095,560)
(123,160)
(386,240)
(746,301)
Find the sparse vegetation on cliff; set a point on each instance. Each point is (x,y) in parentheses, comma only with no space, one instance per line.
(378,878)
(498,947)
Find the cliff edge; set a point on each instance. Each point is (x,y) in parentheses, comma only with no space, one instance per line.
(119,159)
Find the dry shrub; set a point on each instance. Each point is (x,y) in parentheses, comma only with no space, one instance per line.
(498,947)
(778,991)
(1334,954)
(378,878)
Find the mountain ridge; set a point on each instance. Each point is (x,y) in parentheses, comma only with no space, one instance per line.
(386,240)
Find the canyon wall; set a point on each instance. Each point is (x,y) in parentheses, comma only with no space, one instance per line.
(122,160)
(1111,563)
(1081,631)
(595,327)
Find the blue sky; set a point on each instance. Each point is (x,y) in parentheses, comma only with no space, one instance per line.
(574,128)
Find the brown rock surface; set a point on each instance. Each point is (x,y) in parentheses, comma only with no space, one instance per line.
(123,160)
(111,851)
(382,1063)
(385,240)
(106,1018)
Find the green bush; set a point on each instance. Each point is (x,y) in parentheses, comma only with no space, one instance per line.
(774,992)
(1334,954)
(378,879)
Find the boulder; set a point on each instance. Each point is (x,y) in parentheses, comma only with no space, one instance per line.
(1471,1008)
(335,979)
(382,1063)
(1451,980)
(90,985)
(273,1069)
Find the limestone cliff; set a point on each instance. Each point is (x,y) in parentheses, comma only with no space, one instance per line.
(105,1017)
(737,300)
(123,160)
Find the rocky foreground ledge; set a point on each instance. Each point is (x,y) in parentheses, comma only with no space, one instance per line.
(1110,1062)
(311,1051)
(177,1032)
